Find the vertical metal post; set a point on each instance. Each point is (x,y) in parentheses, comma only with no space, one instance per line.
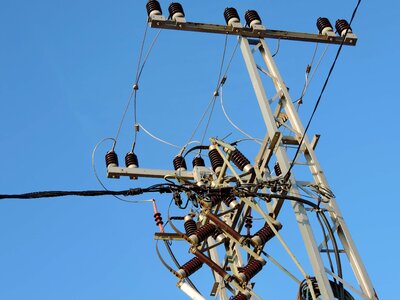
(344,234)
(300,212)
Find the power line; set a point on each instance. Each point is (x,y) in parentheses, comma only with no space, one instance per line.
(89,193)
(322,91)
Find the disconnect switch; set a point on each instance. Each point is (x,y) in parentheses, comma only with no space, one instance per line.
(202,175)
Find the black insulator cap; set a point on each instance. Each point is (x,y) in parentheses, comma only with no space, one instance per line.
(131,160)
(192,266)
(198,161)
(190,226)
(215,158)
(248,222)
(323,23)
(341,26)
(158,219)
(250,16)
(153,5)
(239,159)
(252,268)
(278,170)
(111,158)
(179,162)
(230,13)
(174,8)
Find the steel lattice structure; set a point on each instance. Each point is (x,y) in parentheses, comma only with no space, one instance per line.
(235,190)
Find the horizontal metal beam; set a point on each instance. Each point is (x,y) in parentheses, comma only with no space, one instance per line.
(168,236)
(250,33)
(116,172)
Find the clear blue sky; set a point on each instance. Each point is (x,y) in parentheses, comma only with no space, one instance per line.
(66,71)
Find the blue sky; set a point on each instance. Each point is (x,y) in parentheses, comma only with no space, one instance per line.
(66,71)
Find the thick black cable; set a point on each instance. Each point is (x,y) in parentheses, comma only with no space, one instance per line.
(321,93)
(157,188)
(52,194)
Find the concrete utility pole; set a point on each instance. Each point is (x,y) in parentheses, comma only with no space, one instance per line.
(234,190)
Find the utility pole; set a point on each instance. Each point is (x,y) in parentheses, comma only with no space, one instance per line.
(234,190)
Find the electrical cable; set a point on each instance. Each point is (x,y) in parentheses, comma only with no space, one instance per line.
(174,259)
(277,48)
(133,93)
(310,78)
(158,139)
(308,69)
(304,292)
(287,175)
(88,193)
(170,188)
(136,87)
(159,188)
(213,98)
(93,159)
(164,262)
(232,123)
(327,225)
(216,89)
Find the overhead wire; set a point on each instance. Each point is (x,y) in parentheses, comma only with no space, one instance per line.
(221,82)
(232,123)
(133,94)
(215,94)
(309,78)
(277,48)
(157,138)
(287,175)
(88,193)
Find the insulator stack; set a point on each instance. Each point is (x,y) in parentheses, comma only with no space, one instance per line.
(265,234)
(131,160)
(231,16)
(179,163)
(190,267)
(111,159)
(248,223)
(176,11)
(324,25)
(241,161)
(240,296)
(153,8)
(251,270)
(252,18)
(198,161)
(202,233)
(215,158)
(158,219)
(190,225)
(342,26)
(230,201)
(278,170)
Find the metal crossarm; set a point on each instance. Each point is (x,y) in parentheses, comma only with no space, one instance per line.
(250,33)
